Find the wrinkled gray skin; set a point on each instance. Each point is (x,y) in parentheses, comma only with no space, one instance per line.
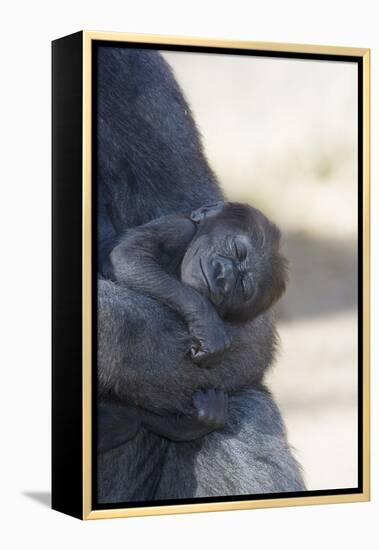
(151,163)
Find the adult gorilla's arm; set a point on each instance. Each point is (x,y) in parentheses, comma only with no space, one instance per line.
(143,359)
(120,422)
(251,456)
(146,364)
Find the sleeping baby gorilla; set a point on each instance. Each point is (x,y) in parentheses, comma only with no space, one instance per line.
(217,268)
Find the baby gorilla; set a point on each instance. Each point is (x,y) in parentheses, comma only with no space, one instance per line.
(220,263)
(226,254)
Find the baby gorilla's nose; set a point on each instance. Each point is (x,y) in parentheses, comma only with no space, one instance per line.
(222,277)
(222,285)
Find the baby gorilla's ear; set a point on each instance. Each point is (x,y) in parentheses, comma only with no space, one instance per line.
(207,211)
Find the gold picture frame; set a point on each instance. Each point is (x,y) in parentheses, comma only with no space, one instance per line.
(85,509)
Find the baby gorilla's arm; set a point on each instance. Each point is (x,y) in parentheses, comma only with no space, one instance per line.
(120,423)
(143,261)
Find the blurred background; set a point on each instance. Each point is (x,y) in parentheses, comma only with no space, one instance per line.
(282,135)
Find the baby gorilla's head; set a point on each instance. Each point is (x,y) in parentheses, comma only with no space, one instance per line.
(234,260)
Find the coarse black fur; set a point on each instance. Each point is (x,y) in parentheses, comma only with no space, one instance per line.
(150,164)
(147,143)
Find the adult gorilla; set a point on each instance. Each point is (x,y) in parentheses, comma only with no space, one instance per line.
(151,164)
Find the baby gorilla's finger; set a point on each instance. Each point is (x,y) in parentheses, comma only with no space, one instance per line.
(203,402)
(199,398)
(211,401)
(199,402)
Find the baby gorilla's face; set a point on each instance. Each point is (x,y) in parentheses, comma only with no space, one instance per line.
(234,260)
(219,264)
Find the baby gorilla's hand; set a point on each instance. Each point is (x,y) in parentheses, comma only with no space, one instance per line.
(211,408)
(210,338)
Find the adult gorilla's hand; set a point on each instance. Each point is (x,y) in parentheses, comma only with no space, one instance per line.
(210,414)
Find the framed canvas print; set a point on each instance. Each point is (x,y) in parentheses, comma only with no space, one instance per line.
(210,275)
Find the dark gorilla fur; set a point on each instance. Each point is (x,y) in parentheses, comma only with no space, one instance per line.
(150,164)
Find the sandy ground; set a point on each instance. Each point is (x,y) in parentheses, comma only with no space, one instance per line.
(281,134)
